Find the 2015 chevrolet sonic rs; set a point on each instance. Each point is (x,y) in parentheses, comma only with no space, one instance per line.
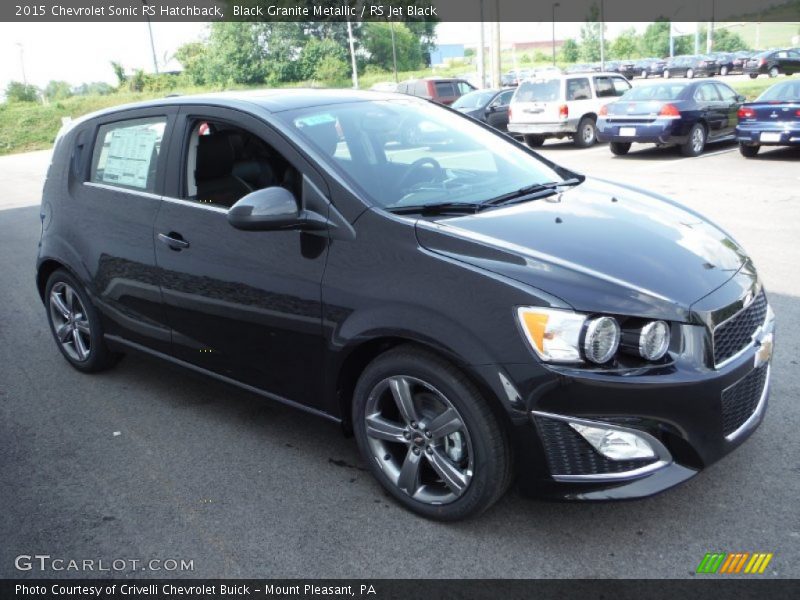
(475,314)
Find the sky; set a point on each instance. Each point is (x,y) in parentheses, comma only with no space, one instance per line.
(82,52)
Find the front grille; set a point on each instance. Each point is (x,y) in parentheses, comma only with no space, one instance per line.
(736,333)
(740,400)
(569,454)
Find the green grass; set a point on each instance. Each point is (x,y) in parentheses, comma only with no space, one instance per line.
(28,126)
(768,35)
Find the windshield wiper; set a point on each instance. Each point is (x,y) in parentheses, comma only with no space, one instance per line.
(437,208)
(531,192)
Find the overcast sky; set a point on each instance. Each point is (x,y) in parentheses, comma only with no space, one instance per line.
(82,52)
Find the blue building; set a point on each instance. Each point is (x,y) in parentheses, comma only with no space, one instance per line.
(441,54)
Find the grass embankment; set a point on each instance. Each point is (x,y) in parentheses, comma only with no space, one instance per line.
(28,126)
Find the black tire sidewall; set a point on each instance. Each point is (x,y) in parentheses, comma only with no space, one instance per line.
(534,141)
(99,355)
(579,141)
(490,472)
(748,151)
(620,148)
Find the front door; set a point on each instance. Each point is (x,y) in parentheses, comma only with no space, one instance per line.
(243,304)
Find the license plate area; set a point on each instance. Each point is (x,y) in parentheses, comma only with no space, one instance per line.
(627,131)
(770,137)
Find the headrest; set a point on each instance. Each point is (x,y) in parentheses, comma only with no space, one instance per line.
(325,136)
(214,157)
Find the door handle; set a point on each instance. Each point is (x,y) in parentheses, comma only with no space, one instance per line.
(174,240)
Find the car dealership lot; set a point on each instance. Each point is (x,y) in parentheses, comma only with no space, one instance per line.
(148,462)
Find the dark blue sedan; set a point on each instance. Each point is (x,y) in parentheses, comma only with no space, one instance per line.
(772,120)
(688,114)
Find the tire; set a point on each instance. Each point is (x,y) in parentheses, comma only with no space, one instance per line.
(644,74)
(753,75)
(690,74)
(476,455)
(748,150)
(774,72)
(75,324)
(666,74)
(620,148)
(586,135)
(534,141)
(696,142)
(724,70)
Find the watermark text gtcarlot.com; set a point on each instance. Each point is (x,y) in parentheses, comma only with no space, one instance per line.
(47,563)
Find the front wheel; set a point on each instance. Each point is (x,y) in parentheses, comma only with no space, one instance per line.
(534,141)
(620,148)
(753,75)
(429,436)
(749,151)
(723,71)
(666,74)
(697,141)
(774,72)
(587,133)
(75,324)
(690,74)
(644,73)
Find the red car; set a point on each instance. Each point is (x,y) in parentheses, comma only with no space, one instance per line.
(443,91)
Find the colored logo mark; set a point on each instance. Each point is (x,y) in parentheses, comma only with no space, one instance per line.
(735,562)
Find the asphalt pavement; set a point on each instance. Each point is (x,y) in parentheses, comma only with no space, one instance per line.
(147,462)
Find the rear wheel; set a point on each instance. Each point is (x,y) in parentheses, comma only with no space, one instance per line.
(620,148)
(587,133)
(534,141)
(723,70)
(75,324)
(749,150)
(666,74)
(690,74)
(644,73)
(429,436)
(697,141)
(774,72)
(753,75)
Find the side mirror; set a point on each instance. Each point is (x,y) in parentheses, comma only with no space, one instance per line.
(272,209)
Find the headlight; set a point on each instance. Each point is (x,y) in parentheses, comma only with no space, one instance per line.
(654,340)
(602,339)
(553,334)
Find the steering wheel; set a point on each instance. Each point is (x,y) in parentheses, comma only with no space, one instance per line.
(417,165)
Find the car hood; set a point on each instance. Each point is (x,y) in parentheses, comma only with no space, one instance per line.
(598,247)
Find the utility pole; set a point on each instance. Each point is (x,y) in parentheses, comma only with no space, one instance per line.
(555,5)
(710,33)
(495,43)
(481,51)
(152,43)
(353,55)
(394,51)
(22,62)
(602,36)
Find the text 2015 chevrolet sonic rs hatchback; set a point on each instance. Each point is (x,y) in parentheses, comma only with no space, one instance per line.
(474,313)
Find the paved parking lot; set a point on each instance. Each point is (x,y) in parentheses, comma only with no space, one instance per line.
(148,462)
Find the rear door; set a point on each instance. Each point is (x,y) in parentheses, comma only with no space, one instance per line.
(242,304)
(731,104)
(122,165)
(711,108)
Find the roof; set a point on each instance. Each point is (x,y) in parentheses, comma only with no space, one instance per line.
(269,100)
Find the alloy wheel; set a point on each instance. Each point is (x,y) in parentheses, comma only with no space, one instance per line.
(698,140)
(70,322)
(419,440)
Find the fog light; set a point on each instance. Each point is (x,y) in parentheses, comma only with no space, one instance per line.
(602,339)
(654,340)
(615,445)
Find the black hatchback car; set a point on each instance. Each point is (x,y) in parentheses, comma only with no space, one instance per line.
(474,313)
(489,106)
(687,114)
(691,67)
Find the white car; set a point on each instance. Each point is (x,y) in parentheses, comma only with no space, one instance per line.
(563,106)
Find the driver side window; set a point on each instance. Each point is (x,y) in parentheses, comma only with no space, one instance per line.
(224,163)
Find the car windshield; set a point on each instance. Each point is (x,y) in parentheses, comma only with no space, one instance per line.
(539,90)
(656,92)
(407,153)
(473,100)
(783,92)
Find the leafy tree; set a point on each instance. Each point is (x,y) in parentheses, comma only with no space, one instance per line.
(570,51)
(191,56)
(331,70)
(96,88)
(21,92)
(377,41)
(590,36)
(315,52)
(726,40)
(119,71)
(626,45)
(655,40)
(57,90)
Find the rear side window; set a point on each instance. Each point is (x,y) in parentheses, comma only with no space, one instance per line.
(126,153)
(620,86)
(445,89)
(578,89)
(604,87)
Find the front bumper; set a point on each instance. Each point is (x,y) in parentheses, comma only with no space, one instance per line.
(788,134)
(657,131)
(691,416)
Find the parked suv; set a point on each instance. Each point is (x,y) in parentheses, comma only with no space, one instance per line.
(563,106)
(425,297)
(443,91)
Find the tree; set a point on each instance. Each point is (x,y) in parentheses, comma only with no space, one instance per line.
(590,36)
(315,52)
(655,40)
(626,45)
(377,41)
(96,88)
(726,40)
(331,70)
(191,56)
(119,71)
(570,51)
(21,92)
(57,90)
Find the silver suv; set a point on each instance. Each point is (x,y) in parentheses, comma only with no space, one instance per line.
(563,106)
